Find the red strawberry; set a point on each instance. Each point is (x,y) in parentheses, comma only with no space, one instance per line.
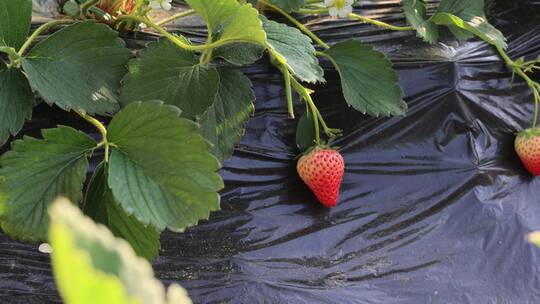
(322,170)
(527,146)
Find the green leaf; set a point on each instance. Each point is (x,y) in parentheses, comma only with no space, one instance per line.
(289,5)
(15,19)
(79,67)
(161,169)
(72,8)
(165,72)
(477,26)
(293,49)
(215,12)
(239,53)
(16,101)
(305,132)
(369,83)
(103,208)
(223,123)
(465,9)
(92,266)
(228,21)
(286,5)
(34,173)
(465,19)
(95,204)
(415,12)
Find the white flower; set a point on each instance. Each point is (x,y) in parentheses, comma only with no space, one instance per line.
(45,248)
(339,8)
(161,4)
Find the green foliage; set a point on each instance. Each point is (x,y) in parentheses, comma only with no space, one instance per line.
(305,132)
(223,123)
(289,5)
(72,8)
(16,101)
(464,18)
(15,18)
(463,9)
(79,67)
(165,72)
(161,174)
(239,53)
(92,266)
(477,26)
(369,83)
(416,13)
(294,50)
(100,205)
(34,173)
(161,170)
(286,5)
(229,21)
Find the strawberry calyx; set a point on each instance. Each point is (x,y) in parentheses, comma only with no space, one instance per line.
(321,146)
(529,133)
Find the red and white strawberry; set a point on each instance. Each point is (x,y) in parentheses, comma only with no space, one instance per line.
(322,170)
(527,146)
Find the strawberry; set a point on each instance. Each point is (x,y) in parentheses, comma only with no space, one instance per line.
(527,146)
(322,170)
(117,7)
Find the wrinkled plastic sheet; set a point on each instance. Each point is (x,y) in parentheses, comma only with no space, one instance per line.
(434,205)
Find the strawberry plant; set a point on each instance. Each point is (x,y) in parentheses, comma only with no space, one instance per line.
(177,109)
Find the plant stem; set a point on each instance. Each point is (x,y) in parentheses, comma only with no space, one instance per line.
(306,95)
(297,23)
(380,23)
(359,17)
(12,55)
(175,17)
(176,40)
(88,4)
(323,54)
(314,112)
(536,101)
(206,56)
(533,85)
(102,130)
(313,11)
(278,61)
(288,92)
(39,31)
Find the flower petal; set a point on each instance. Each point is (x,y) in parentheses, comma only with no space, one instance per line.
(344,12)
(166,6)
